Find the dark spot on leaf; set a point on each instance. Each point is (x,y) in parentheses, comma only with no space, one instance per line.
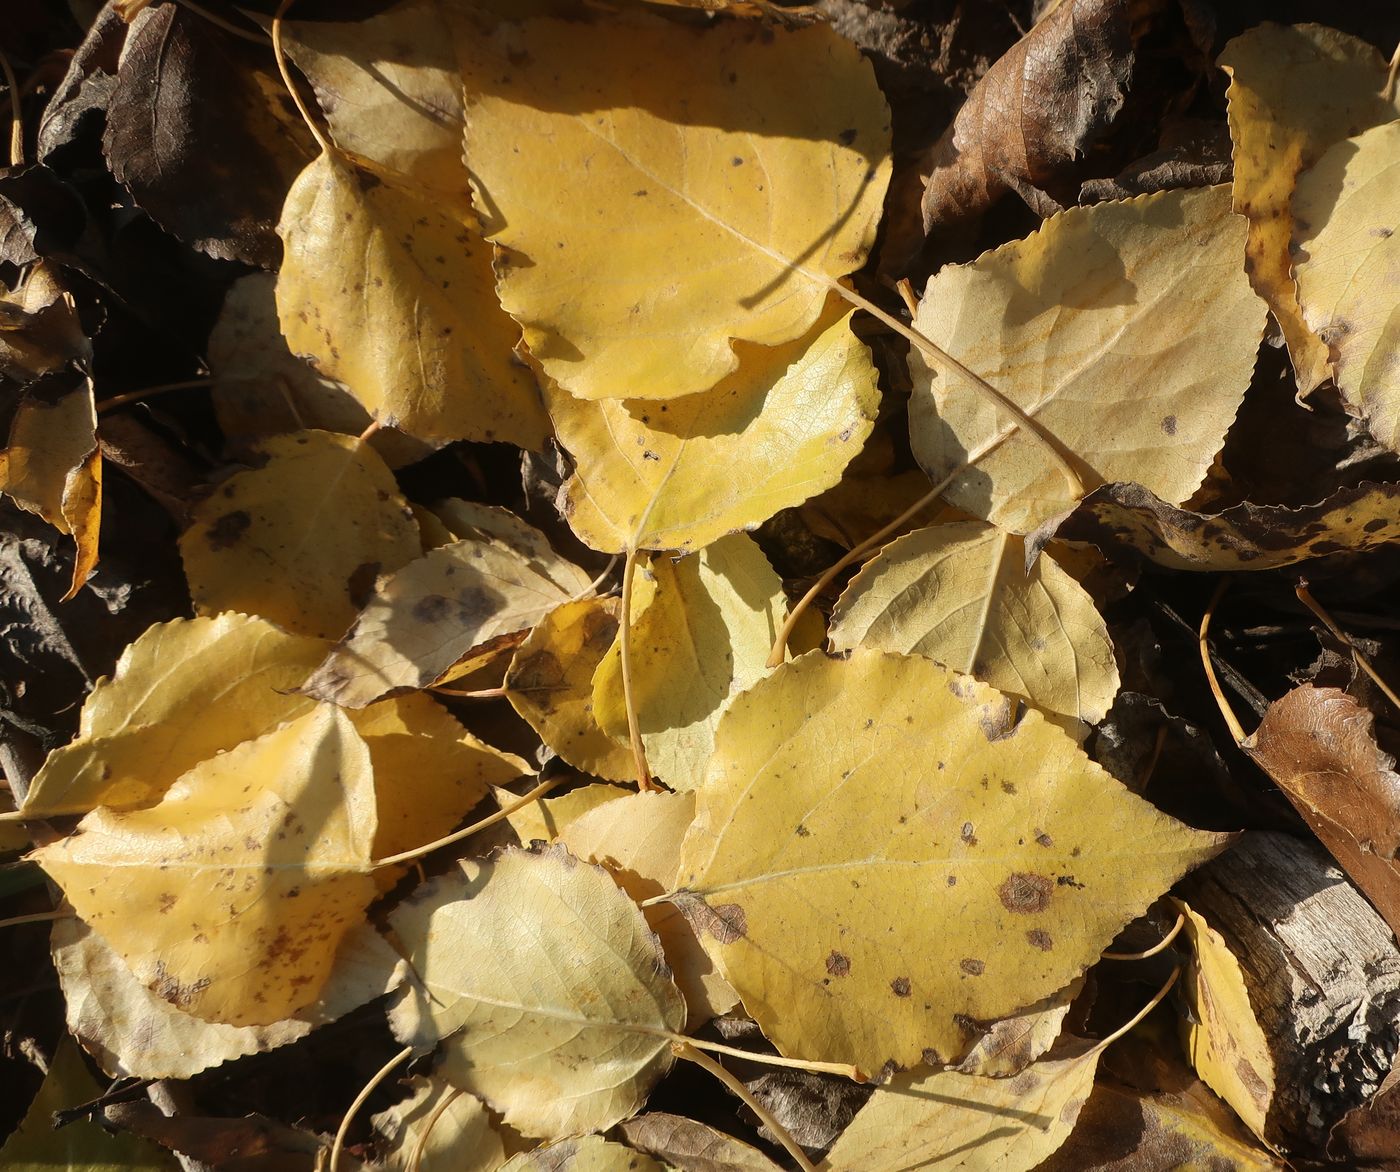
(432,608)
(1025,894)
(967,835)
(1169,424)
(227,530)
(900,986)
(838,965)
(972,966)
(1043,839)
(1040,939)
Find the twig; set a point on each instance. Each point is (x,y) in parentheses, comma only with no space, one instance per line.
(1306,598)
(368,1089)
(38,918)
(316,132)
(418,1148)
(1231,720)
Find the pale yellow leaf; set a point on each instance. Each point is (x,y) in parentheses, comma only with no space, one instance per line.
(183,691)
(588,1153)
(300,539)
(719,178)
(230,896)
(461,1138)
(550,684)
(1295,89)
(1222,1035)
(949,1120)
(134,1033)
(1127,330)
(1012,1043)
(395,298)
(702,628)
(665,475)
(961,594)
(469,519)
(880,854)
(692,1146)
(431,614)
(545,819)
(1347,260)
(525,1031)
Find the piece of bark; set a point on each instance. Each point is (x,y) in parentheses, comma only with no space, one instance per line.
(1323,975)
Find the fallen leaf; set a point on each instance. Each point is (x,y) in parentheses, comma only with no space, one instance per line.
(1294,91)
(702,628)
(661,475)
(550,684)
(432,613)
(234,913)
(867,891)
(756,158)
(545,819)
(961,595)
(687,1144)
(40,330)
(951,1120)
(394,297)
(589,1153)
(439,1129)
(1369,1132)
(1127,330)
(1347,210)
(1223,1038)
(1012,1043)
(309,568)
(469,519)
(525,1032)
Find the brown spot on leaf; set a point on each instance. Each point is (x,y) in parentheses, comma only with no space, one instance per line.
(967,835)
(1025,894)
(900,986)
(972,966)
(1169,425)
(432,608)
(1041,939)
(228,529)
(838,965)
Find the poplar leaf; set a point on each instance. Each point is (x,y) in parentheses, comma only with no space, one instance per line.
(687,1144)
(470,519)
(662,475)
(1128,330)
(961,594)
(545,820)
(453,1128)
(307,568)
(232,912)
(880,854)
(702,628)
(750,159)
(1347,262)
(526,1032)
(588,1153)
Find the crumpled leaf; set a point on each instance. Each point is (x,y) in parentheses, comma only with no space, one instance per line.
(40,332)
(1127,330)
(702,628)
(306,568)
(1347,261)
(662,475)
(1222,1037)
(394,297)
(234,912)
(687,1144)
(867,890)
(1012,1043)
(524,1032)
(961,594)
(756,158)
(589,1153)
(951,1120)
(1319,747)
(1294,91)
(1128,522)
(462,1138)
(134,1033)
(450,602)
(550,684)
(202,133)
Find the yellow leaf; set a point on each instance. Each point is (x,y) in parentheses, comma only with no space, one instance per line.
(880,854)
(300,539)
(526,1031)
(469,519)
(453,1128)
(638,838)
(1295,89)
(543,820)
(684,1143)
(429,615)
(663,475)
(961,594)
(133,1033)
(702,628)
(395,298)
(1348,263)
(230,896)
(1127,330)
(1222,1036)
(751,162)
(550,684)
(951,1120)
(183,691)
(588,1153)
(1013,1043)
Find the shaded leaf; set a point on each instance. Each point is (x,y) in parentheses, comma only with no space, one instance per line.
(461,1138)
(525,1031)
(545,819)
(469,519)
(687,1144)
(1013,1042)
(589,1153)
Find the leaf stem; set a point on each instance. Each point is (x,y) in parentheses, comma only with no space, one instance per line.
(1232,721)
(128,397)
(16,117)
(316,132)
(1161,946)
(505,811)
(38,918)
(843,1069)
(418,1148)
(478,694)
(1392,75)
(629,699)
(687,1051)
(1104,1043)
(368,1089)
(1306,598)
(259,38)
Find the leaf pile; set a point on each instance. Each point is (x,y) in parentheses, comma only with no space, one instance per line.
(509,610)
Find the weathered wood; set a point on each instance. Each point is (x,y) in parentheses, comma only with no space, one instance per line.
(1323,974)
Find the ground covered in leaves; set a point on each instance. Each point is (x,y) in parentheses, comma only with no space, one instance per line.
(695,584)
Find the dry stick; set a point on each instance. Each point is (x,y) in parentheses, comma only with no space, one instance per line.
(1306,598)
(16,118)
(128,397)
(375,1079)
(844,1069)
(1231,720)
(691,1054)
(624,638)
(374,426)
(316,132)
(38,918)
(505,811)
(1160,946)
(417,1161)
